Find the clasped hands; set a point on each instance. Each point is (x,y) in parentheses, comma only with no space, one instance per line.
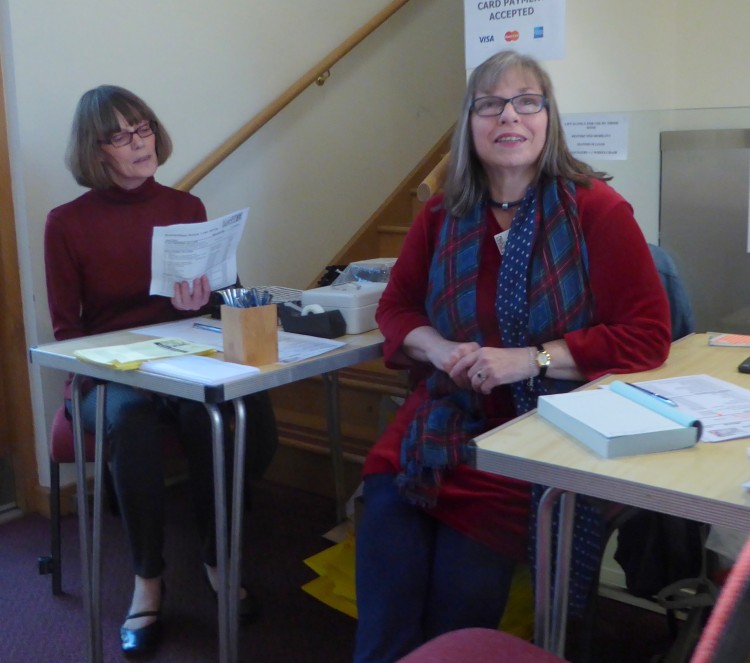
(191,296)
(472,366)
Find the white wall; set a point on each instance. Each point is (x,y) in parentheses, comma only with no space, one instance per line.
(314,174)
(311,177)
(669,65)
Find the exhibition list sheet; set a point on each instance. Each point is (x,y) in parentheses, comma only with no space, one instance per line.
(186,251)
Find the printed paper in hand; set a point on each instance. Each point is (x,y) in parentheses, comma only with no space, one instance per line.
(187,251)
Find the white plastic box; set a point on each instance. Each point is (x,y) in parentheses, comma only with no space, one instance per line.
(357,302)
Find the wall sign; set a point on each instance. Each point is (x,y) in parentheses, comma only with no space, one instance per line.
(602,136)
(533,27)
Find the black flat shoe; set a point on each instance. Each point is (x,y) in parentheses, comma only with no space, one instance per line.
(139,641)
(249,607)
(136,642)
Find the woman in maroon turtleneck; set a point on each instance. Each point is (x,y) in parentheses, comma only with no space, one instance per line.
(98,268)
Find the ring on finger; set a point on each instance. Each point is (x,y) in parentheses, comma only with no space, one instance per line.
(481,376)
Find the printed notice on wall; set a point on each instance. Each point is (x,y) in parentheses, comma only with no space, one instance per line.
(532,27)
(597,136)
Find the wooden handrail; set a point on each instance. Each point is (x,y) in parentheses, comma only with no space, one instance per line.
(320,69)
(432,183)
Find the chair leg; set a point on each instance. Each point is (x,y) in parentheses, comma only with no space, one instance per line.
(51,564)
(55,533)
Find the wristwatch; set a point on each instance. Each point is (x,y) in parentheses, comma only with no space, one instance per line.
(543,360)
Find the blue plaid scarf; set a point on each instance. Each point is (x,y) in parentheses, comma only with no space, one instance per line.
(542,292)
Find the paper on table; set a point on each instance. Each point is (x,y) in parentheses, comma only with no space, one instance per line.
(186,251)
(722,407)
(129,356)
(292,347)
(187,330)
(296,347)
(205,370)
(729,340)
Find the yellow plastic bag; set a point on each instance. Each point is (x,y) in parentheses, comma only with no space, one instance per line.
(335,588)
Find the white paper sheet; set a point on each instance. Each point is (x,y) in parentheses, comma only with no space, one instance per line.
(296,347)
(186,251)
(722,407)
(191,329)
(292,347)
(205,370)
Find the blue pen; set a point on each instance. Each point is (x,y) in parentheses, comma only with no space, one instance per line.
(663,399)
(200,325)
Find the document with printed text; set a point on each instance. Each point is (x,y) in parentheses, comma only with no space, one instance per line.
(292,347)
(722,407)
(186,251)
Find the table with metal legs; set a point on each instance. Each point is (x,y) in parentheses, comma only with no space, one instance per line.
(703,483)
(357,349)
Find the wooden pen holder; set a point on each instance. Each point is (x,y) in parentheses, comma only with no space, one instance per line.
(251,335)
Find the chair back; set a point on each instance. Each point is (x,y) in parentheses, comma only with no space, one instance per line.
(680,308)
(61,445)
(483,645)
(726,636)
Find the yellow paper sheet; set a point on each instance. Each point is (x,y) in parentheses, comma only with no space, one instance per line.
(130,356)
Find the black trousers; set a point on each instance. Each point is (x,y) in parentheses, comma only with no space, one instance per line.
(136,424)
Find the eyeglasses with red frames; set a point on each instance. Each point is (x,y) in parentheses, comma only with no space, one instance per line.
(125,137)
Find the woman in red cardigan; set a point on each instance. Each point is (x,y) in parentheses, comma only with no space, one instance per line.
(528,275)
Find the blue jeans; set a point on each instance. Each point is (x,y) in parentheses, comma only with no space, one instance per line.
(417,578)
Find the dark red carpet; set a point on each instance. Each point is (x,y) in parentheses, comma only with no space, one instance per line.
(283,527)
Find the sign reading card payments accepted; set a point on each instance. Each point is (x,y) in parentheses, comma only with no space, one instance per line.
(533,27)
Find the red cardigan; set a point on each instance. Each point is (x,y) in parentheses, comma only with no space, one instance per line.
(97,255)
(631,332)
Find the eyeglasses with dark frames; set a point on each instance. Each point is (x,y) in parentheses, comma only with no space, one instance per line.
(523,104)
(125,137)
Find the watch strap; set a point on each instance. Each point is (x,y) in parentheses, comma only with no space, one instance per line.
(542,367)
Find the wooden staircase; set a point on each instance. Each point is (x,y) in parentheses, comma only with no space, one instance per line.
(369,392)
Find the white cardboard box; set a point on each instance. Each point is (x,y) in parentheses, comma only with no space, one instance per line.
(357,302)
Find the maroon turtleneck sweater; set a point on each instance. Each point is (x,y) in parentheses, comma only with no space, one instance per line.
(97,254)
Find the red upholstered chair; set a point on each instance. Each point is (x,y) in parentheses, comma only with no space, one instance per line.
(725,638)
(62,450)
(477,645)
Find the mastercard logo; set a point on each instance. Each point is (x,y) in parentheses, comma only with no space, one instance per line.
(511,35)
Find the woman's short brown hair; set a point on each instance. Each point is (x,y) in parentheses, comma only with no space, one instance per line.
(96,119)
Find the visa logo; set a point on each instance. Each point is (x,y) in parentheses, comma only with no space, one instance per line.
(486,39)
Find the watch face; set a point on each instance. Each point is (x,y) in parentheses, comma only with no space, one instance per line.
(543,358)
